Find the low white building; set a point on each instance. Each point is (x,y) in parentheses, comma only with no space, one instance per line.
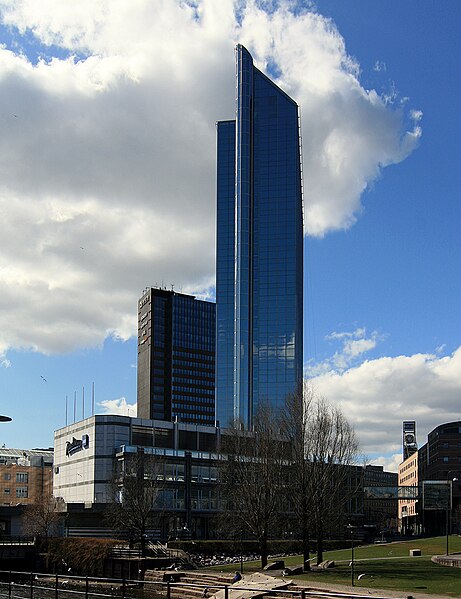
(86,453)
(84,457)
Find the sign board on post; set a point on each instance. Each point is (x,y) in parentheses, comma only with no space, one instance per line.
(436,494)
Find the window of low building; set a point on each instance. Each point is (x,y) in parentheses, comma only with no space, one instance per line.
(22,492)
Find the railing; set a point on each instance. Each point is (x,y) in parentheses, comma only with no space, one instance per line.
(125,553)
(32,585)
(154,549)
(23,585)
(12,540)
(157,549)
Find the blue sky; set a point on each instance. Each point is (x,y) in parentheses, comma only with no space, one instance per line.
(107,186)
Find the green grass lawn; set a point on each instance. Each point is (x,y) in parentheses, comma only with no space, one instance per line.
(386,567)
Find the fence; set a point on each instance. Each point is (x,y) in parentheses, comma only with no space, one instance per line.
(32,585)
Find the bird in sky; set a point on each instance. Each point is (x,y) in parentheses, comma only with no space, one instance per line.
(42,377)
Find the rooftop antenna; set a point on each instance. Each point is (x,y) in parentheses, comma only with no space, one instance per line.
(75,403)
(66,410)
(83,402)
(92,399)
(172,286)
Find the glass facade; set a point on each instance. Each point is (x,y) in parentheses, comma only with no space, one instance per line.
(225,284)
(259,248)
(176,357)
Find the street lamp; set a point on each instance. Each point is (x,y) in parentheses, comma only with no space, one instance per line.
(447,511)
(448,505)
(351,528)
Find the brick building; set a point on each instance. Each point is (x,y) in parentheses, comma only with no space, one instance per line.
(25,474)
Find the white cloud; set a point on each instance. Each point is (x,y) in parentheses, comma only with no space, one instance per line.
(5,363)
(118,406)
(389,463)
(380,66)
(114,151)
(379,394)
(353,345)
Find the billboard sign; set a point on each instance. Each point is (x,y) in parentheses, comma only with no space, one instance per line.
(436,494)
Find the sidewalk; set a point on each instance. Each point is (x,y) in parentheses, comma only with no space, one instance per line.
(370,592)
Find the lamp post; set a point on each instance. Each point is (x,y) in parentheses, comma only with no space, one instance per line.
(450,482)
(241,551)
(351,528)
(447,512)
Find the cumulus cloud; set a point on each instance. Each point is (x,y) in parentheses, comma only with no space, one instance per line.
(389,463)
(107,153)
(349,133)
(379,394)
(118,406)
(353,345)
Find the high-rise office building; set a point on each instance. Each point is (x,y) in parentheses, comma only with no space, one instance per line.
(176,357)
(259,277)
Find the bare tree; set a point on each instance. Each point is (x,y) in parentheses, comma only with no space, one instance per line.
(135,487)
(294,423)
(324,451)
(44,517)
(252,477)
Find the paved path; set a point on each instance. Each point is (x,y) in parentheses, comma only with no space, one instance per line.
(257,581)
(372,592)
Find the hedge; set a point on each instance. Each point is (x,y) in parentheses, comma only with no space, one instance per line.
(82,555)
(237,547)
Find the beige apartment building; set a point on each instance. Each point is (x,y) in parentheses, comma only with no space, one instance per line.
(408,508)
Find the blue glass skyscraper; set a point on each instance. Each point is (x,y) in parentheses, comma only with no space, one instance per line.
(259,277)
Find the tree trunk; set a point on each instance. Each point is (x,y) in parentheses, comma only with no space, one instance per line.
(306,562)
(264,551)
(319,547)
(143,544)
